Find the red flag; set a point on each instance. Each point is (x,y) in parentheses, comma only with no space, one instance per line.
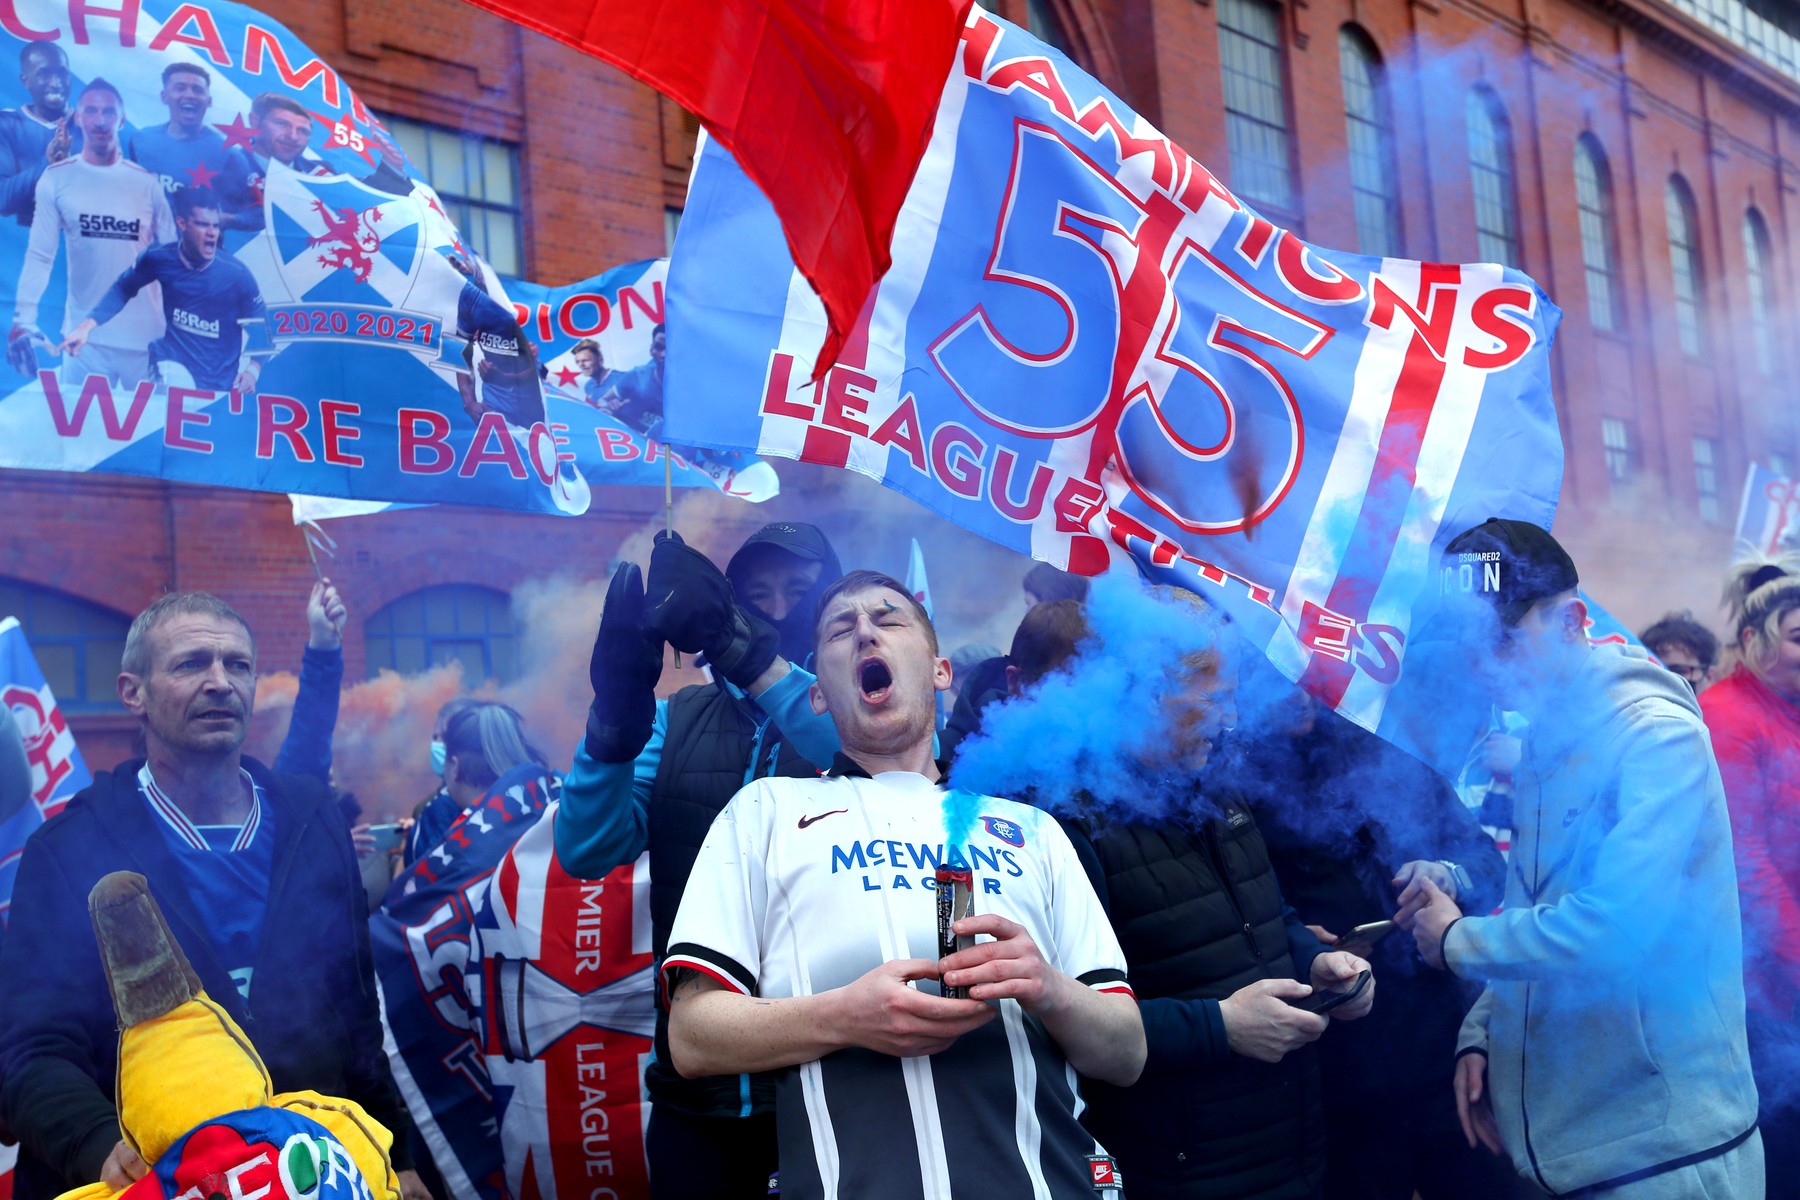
(826,104)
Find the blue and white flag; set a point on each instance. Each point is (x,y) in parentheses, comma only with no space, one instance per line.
(916,581)
(427,967)
(225,271)
(1769,515)
(57,770)
(1090,350)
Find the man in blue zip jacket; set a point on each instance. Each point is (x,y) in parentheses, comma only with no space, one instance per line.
(260,884)
(653,773)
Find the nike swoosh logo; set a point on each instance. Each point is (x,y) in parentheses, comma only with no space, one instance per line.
(805,821)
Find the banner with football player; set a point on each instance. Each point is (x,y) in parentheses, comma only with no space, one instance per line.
(223,270)
(54,765)
(1091,350)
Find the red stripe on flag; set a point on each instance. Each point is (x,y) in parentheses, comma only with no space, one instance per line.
(827,105)
(1383,509)
(828,446)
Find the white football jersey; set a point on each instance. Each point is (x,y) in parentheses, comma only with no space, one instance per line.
(105,216)
(804,885)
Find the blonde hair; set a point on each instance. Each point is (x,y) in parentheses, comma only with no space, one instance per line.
(1759,593)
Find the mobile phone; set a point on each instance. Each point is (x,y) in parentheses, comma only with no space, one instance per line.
(387,837)
(1323,1000)
(1371,933)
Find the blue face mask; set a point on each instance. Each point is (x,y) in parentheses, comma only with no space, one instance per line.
(437,756)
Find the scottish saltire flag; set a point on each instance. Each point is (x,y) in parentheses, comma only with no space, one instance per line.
(566,1012)
(1769,514)
(1090,350)
(57,770)
(251,286)
(423,941)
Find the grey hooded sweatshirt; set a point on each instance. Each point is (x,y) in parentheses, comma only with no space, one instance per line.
(1613,1018)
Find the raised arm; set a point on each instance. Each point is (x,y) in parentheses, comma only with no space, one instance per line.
(306,750)
(602,821)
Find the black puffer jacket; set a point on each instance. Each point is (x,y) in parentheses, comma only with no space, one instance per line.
(1199,915)
(312,1014)
(713,737)
(715,743)
(1342,810)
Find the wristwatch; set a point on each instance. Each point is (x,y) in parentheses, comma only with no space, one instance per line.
(1458,876)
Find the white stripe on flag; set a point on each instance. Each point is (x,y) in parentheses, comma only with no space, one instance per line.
(1347,478)
(1441,451)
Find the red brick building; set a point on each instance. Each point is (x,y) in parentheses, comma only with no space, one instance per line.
(1640,158)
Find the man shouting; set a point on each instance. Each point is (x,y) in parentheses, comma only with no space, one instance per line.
(811,914)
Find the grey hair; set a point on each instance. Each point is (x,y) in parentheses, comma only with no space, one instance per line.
(487,741)
(136,659)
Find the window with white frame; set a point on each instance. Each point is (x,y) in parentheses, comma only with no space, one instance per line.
(1256,122)
(1684,261)
(1621,455)
(477,178)
(1599,240)
(1491,176)
(1706,477)
(1374,190)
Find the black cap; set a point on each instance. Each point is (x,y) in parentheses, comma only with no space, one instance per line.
(1510,564)
(807,543)
(802,541)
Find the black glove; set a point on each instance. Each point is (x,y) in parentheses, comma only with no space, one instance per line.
(690,602)
(627,662)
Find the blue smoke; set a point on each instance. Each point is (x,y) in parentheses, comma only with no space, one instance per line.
(1084,729)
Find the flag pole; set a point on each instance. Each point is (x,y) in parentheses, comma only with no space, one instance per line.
(311,554)
(669,508)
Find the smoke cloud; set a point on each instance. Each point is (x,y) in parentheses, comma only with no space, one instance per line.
(1085,729)
(381,747)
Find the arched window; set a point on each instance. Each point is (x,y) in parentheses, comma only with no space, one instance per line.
(452,622)
(1684,259)
(1599,237)
(1373,179)
(1757,260)
(1491,174)
(77,644)
(1256,124)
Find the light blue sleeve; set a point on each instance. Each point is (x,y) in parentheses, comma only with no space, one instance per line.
(812,734)
(603,821)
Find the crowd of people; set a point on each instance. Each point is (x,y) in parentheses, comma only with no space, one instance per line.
(1287,960)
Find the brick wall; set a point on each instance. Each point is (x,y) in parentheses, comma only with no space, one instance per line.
(1660,95)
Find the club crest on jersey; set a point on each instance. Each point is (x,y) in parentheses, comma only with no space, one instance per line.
(341,241)
(1007,831)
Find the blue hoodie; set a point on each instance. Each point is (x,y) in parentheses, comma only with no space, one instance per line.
(1613,1018)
